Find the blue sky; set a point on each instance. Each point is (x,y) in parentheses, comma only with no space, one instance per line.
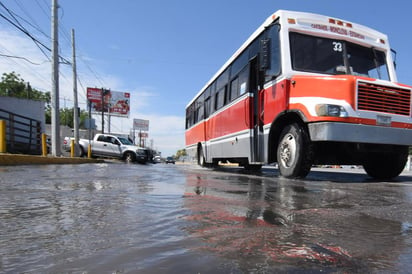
(164,51)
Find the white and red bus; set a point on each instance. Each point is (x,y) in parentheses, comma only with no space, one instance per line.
(305,89)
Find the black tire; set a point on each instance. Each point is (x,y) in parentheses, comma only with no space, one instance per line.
(129,157)
(294,152)
(82,152)
(385,166)
(200,157)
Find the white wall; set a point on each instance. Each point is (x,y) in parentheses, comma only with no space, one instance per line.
(29,108)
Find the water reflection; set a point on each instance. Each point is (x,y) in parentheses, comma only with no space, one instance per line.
(262,222)
(79,218)
(115,218)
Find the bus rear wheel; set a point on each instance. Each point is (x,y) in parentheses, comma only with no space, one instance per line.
(200,157)
(386,165)
(294,152)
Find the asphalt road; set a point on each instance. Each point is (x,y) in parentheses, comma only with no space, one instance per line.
(131,218)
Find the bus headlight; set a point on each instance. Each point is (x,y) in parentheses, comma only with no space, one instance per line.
(331,110)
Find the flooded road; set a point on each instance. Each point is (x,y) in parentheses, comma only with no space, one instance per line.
(120,218)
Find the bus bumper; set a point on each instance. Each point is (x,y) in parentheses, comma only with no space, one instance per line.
(357,133)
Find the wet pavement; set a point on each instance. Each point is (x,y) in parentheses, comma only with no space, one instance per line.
(131,218)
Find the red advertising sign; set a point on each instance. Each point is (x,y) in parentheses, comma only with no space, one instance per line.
(94,94)
(143,134)
(114,102)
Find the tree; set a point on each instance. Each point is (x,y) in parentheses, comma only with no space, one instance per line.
(67,116)
(13,86)
(180,153)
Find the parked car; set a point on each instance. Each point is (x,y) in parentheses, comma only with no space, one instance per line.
(108,145)
(156,160)
(170,160)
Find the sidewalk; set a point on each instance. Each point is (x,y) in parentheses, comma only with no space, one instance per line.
(22,159)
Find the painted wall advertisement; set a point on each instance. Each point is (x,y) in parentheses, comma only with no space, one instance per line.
(114,102)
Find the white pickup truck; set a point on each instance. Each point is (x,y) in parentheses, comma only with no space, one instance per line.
(108,145)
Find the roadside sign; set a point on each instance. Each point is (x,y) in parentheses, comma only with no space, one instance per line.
(140,124)
(94,94)
(143,134)
(116,103)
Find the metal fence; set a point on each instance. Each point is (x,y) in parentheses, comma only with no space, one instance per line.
(23,134)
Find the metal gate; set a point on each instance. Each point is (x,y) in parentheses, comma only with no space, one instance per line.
(23,134)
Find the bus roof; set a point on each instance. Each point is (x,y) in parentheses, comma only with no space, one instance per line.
(313,24)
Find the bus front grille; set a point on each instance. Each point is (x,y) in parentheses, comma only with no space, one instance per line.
(392,100)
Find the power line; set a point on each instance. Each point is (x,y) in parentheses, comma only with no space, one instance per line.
(25,66)
(20,27)
(34,25)
(14,19)
(37,42)
(23,58)
(43,10)
(62,30)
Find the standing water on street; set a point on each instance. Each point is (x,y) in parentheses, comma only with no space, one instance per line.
(130,218)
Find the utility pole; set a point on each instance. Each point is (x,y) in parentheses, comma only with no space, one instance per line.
(76,104)
(55,108)
(29,90)
(102,110)
(108,117)
(105,92)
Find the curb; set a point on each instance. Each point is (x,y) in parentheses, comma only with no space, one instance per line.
(21,159)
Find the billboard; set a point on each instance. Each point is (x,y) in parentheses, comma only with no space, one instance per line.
(114,102)
(143,135)
(140,124)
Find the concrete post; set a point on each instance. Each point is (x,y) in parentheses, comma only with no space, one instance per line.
(72,148)
(44,144)
(89,151)
(3,144)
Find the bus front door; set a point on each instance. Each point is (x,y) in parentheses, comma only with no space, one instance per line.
(256,114)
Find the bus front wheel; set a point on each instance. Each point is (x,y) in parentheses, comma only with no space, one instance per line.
(294,152)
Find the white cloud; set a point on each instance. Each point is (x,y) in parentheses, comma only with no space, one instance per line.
(167,132)
(16,47)
(142,98)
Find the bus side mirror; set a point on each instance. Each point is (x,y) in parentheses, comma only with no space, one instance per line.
(394,53)
(264,54)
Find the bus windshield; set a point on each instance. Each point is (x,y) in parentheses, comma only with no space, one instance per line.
(331,56)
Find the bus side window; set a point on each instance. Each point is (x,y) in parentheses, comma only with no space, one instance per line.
(207,107)
(218,99)
(188,117)
(213,98)
(275,68)
(234,89)
(199,109)
(207,104)
(243,80)
(195,114)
